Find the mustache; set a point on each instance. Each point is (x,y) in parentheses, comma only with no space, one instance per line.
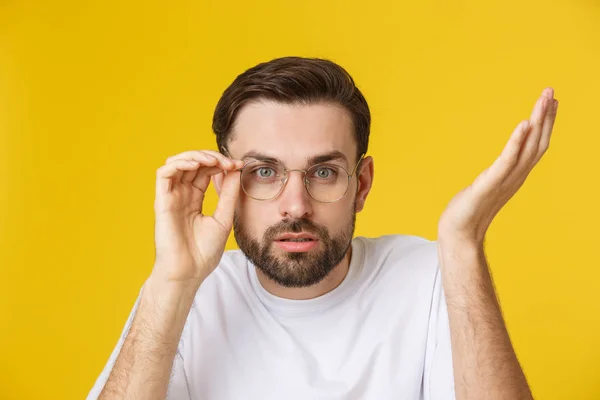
(295,226)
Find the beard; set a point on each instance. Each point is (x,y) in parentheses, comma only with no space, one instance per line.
(295,269)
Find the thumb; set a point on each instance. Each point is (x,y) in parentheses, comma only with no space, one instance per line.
(230,191)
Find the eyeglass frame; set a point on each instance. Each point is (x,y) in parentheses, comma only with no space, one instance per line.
(305,172)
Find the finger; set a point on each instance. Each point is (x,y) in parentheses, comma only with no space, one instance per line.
(204,156)
(532,142)
(509,157)
(199,156)
(171,172)
(220,156)
(202,177)
(191,155)
(189,176)
(549,93)
(230,191)
(225,161)
(547,129)
(510,154)
(203,159)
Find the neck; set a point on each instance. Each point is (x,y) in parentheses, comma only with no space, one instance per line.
(331,281)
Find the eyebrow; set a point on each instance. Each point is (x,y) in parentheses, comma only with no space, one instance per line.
(334,155)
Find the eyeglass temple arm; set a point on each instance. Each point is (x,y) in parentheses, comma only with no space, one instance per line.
(357,164)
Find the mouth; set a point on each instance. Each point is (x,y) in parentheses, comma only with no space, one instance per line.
(296,242)
(296,237)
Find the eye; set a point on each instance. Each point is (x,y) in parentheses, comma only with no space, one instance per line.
(325,173)
(264,172)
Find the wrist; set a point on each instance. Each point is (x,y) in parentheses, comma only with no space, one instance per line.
(460,250)
(168,302)
(168,276)
(460,255)
(457,242)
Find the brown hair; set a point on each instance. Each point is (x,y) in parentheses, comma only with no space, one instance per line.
(294,80)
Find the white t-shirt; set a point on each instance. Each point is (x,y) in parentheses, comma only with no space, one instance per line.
(382,334)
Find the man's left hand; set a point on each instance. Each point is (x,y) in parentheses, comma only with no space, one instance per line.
(470,213)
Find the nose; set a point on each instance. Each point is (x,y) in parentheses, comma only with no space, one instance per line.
(294,200)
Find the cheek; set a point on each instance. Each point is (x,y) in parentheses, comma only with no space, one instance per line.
(335,216)
(254,216)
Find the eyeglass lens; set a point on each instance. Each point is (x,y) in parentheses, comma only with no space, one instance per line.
(324,182)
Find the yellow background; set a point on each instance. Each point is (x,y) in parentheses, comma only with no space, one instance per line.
(94,96)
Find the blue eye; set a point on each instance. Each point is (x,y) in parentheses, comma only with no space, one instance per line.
(265,172)
(324,173)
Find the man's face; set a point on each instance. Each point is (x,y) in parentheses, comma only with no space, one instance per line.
(267,231)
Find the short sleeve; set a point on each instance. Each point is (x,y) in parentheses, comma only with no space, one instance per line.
(178,388)
(439,376)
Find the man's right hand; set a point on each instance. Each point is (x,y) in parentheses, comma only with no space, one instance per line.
(189,245)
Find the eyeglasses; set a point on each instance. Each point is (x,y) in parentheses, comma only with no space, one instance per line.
(326,182)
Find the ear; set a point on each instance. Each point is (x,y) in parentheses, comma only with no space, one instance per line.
(365,182)
(217,180)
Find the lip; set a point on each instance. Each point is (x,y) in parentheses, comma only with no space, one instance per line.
(301,235)
(297,247)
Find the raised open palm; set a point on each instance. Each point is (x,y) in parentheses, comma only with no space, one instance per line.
(470,213)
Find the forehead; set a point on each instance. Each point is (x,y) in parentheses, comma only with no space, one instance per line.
(292,132)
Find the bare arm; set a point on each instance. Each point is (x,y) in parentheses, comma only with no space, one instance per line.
(485,364)
(143,367)
(189,246)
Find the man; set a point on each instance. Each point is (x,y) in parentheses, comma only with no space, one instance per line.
(304,310)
